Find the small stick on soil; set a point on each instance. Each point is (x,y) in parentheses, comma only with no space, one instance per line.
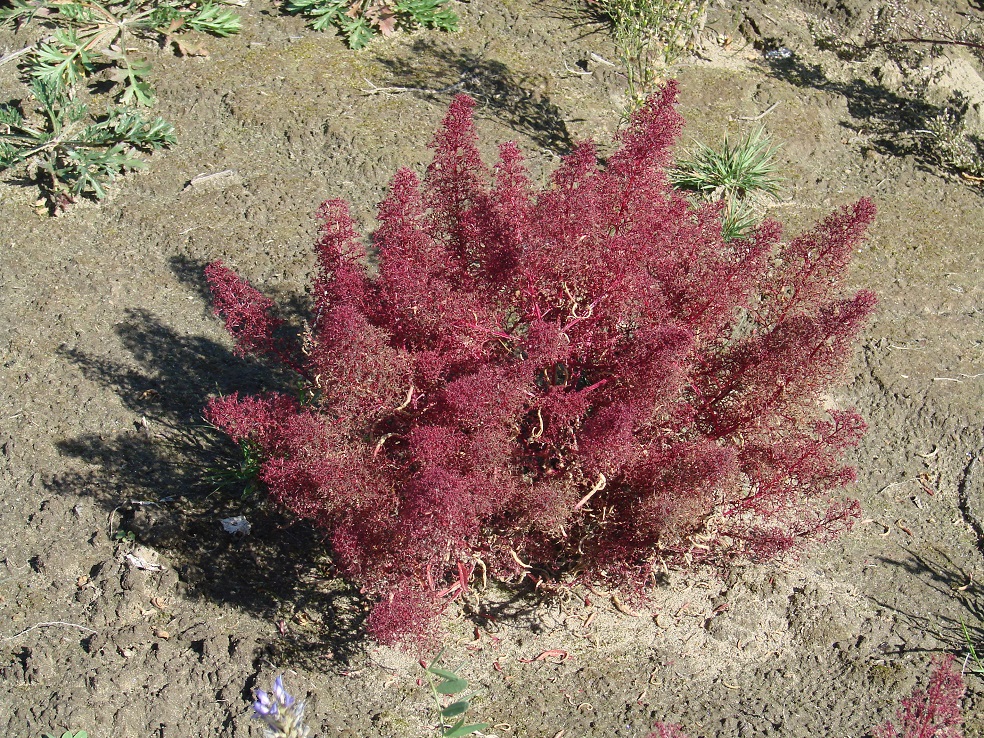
(199,180)
(906,348)
(376,90)
(17,54)
(623,609)
(894,484)
(578,72)
(885,529)
(761,115)
(45,625)
(954,379)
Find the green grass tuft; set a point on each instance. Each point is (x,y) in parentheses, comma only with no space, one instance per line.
(738,174)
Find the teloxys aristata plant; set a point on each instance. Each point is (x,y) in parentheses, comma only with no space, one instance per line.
(360,20)
(933,712)
(580,382)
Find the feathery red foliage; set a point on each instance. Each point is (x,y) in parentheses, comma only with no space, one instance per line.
(667,730)
(583,377)
(933,712)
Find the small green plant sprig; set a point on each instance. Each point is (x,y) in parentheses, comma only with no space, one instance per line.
(360,20)
(954,148)
(70,153)
(444,684)
(977,664)
(88,36)
(650,35)
(239,470)
(68,734)
(736,174)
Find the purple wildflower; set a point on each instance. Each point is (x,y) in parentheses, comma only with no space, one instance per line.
(282,713)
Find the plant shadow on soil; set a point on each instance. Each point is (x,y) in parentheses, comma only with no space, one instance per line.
(151,481)
(949,579)
(433,70)
(889,117)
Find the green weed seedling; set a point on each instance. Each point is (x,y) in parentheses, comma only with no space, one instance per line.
(68,734)
(954,148)
(88,37)
(237,470)
(360,20)
(70,153)
(444,685)
(736,173)
(977,664)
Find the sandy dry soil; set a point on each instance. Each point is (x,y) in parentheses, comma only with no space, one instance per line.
(109,350)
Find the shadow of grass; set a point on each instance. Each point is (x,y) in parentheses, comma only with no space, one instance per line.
(434,70)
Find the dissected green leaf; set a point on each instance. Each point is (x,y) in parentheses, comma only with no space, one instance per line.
(72,158)
(357,31)
(215,19)
(19,12)
(360,20)
(10,116)
(89,36)
(63,63)
(69,152)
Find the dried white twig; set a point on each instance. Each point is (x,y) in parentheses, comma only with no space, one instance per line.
(598,486)
(374,89)
(761,115)
(954,379)
(45,625)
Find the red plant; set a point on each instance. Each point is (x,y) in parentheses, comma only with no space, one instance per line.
(930,713)
(581,378)
(667,730)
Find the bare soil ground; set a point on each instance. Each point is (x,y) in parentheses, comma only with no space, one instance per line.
(109,351)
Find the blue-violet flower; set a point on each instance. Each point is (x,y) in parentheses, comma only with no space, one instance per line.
(282,713)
